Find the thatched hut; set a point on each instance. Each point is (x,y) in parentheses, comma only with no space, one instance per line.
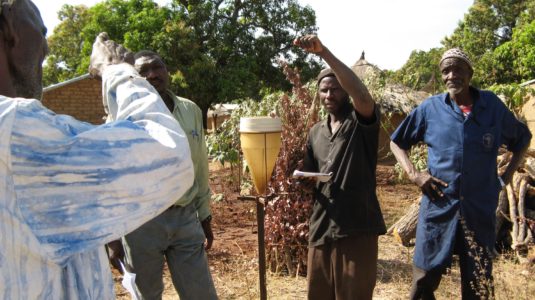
(218,114)
(395,101)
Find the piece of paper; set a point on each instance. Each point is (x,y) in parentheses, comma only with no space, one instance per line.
(323,177)
(129,282)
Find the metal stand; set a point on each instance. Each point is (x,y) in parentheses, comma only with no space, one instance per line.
(261,243)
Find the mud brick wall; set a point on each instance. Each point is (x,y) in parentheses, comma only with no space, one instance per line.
(80,99)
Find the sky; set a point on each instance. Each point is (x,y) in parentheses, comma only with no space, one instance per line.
(387,30)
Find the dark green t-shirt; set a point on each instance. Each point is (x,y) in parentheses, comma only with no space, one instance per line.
(346,205)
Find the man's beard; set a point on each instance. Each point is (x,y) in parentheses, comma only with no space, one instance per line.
(455,91)
(28,83)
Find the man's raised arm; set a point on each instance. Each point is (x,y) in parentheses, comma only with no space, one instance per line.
(362,100)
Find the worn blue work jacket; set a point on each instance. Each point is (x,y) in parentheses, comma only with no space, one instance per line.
(462,152)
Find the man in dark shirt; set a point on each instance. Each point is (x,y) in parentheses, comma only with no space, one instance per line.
(346,219)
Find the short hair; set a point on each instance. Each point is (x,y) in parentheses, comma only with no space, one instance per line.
(145,53)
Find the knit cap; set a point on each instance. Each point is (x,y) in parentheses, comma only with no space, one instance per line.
(456,53)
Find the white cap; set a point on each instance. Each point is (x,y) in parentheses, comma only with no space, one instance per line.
(260,124)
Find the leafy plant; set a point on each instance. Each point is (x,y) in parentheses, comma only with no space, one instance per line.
(224,144)
(215,50)
(290,204)
(514,95)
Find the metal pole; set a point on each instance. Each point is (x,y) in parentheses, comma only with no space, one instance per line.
(261,249)
(260,216)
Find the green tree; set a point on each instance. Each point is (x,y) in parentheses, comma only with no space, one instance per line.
(245,39)
(63,61)
(216,50)
(420,69)
(488,25)
(498,36)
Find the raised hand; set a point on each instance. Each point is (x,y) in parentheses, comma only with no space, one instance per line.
(107,52)
(310,43)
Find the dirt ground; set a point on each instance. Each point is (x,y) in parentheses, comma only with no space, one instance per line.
(234,263)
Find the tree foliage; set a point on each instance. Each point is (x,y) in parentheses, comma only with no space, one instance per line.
(489,25)
(216,50)
(420,70)
(63,61)
(224,144)
(499,37)
(514,61)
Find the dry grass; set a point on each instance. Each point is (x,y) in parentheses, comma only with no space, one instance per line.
(239,279)
(234,265)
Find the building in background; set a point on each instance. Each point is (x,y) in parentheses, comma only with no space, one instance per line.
(396,101)
(218,114)
(80,97)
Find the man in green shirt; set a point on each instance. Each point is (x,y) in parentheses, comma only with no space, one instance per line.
(183,232)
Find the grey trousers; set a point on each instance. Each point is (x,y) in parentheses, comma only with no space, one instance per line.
(175,235)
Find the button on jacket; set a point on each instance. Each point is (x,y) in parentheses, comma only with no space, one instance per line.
(462,152)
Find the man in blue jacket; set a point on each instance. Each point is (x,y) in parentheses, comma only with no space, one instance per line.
(463,130)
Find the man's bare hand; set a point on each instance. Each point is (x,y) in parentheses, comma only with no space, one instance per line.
(429,185)
(208,233)
(310,43)
(107,52)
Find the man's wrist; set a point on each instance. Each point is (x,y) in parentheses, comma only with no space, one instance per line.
(412,176)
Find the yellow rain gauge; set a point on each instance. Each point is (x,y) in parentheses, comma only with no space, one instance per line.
(260,142)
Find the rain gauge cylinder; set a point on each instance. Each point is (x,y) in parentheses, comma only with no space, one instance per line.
(260,142)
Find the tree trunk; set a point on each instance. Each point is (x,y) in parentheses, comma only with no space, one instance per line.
(404,230)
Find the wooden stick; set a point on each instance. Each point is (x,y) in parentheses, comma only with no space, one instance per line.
(513,214)
(521,210)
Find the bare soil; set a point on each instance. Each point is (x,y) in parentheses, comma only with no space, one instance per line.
(234,263)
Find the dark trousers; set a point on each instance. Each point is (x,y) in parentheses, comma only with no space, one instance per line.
(343,269)
(476,274)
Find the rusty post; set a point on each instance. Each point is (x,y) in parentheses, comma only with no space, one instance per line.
(260,216)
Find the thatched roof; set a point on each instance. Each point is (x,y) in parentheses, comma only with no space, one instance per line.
(396,98)
(222,109)
(364,69)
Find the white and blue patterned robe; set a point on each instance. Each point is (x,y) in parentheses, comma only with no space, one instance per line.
(68,187)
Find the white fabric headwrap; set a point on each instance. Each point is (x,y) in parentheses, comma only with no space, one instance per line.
(456,53)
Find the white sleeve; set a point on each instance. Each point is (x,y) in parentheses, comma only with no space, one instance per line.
(79,186)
